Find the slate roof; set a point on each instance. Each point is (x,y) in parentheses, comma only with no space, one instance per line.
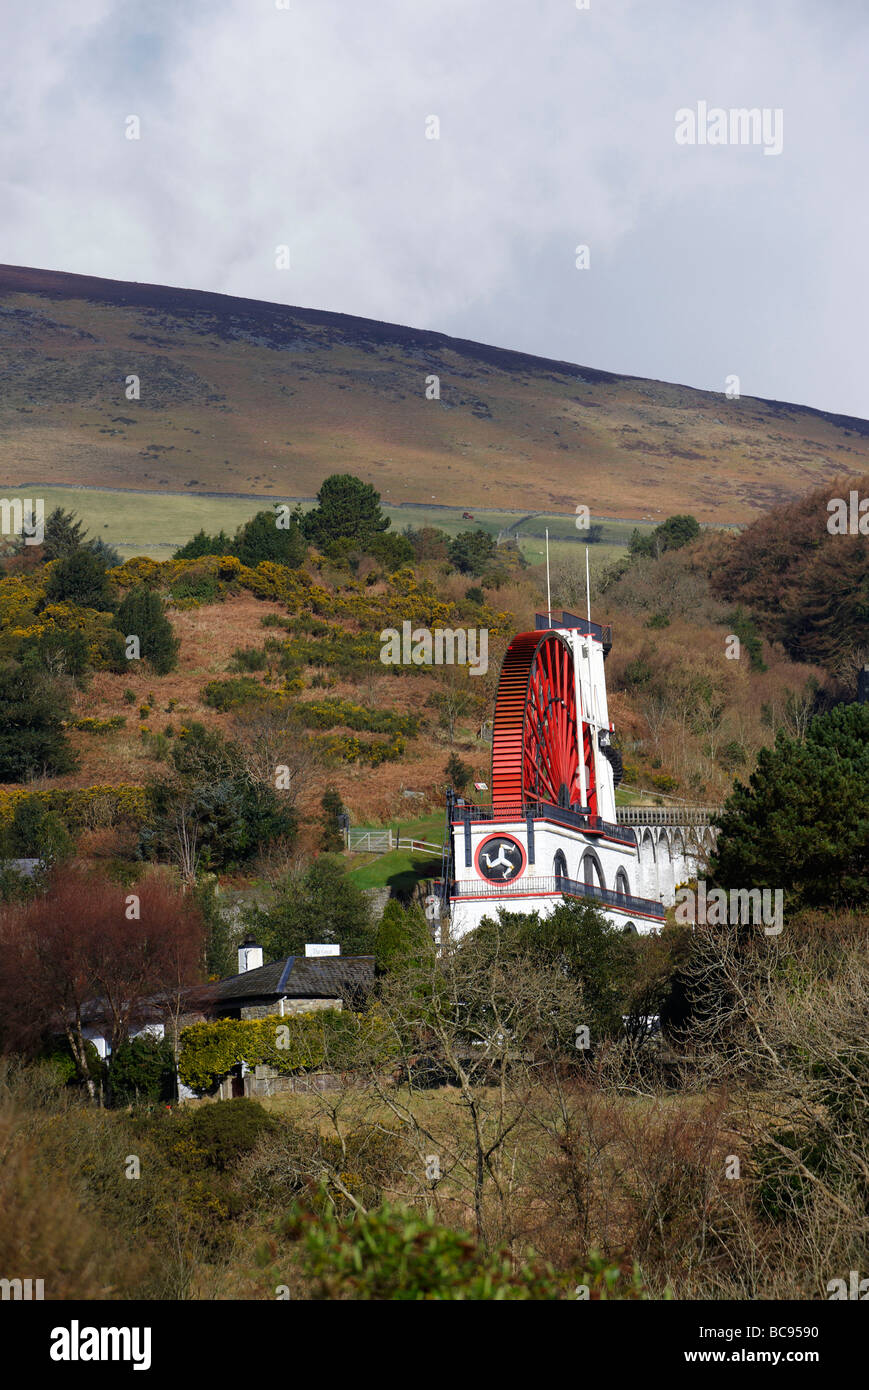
(300,977)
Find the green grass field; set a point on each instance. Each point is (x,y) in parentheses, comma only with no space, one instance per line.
(156,523)
(400,869)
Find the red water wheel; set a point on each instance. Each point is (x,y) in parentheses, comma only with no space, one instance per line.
(535,743)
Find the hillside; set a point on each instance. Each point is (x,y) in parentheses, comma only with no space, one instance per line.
(244,397)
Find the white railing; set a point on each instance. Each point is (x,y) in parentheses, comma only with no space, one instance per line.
(666,815)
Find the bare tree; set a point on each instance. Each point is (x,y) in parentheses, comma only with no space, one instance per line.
(656,712)
(268,738)
(495,1031)
(89,954)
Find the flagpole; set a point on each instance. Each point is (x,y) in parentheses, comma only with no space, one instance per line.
(548,589)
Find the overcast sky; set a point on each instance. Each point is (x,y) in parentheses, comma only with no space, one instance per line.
(306,127)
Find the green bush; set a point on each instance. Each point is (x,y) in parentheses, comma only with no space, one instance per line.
(396,1253)
(35,832)
(296,1042)
(250,659)
(142,1070)
(32,714)
(223,1132)
(80,578)
(225,695)
(330,713)
(142,614)
(472,552)
(196,589)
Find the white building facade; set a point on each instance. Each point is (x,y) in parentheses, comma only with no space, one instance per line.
(553,829)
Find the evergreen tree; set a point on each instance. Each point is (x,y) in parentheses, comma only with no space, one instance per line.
(142,614)
(221,959)
(80,578)
(32,738)
(676,531)
(403,938)
(458,773)
(322,904)
(108,556)
(64,533)
(262,539)
(346,508)
(802,823)
(472,552)
(576,942)
(331,835)
(203,544)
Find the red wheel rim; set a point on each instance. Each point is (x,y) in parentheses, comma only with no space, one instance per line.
(535,744)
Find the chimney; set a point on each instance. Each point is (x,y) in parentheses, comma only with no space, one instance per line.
(250,955)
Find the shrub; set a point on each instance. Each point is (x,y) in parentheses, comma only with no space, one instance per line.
(100,726)
(250,659)
(472,552)
(80,578)
(396,1253)
(225,695)
(36,832)
(142,613)
(193,589)
(32,716)
(142,1069)
(458,773)
(331,836)
(296,1042)
(223,1132)
(330,712)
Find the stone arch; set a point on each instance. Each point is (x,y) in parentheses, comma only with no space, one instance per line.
(559,868)
(591,869)
(647,864)
(666,890)
(622,884)
(680,860)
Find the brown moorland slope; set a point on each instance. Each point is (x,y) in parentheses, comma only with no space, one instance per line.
(243,396)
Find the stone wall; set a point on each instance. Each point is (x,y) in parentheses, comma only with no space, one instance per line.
(265,1081)
(291,1006)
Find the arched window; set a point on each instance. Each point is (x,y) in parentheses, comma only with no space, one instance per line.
(629,929)
(622,885)
(559,868)
(590,870)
